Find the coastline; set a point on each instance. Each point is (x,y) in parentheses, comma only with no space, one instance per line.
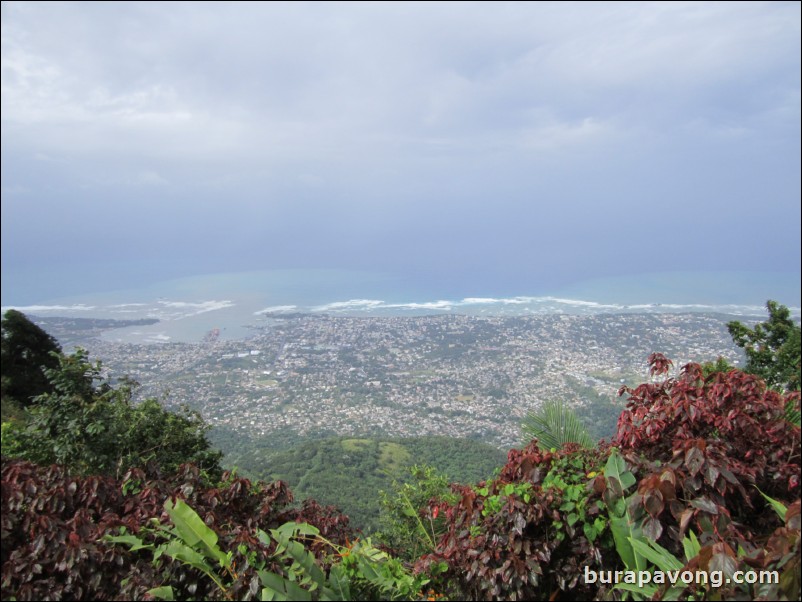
(188,308)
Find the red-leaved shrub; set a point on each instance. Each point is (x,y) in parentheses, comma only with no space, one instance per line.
(53,524)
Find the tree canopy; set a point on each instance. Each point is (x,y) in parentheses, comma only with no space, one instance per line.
(26,351)
(772,347)
(92,426)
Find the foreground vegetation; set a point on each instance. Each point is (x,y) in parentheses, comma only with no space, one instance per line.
(703,474)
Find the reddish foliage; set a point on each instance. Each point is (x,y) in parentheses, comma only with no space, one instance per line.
(529,464)
(52,525)
(699,448)
(717,440)
(514,553)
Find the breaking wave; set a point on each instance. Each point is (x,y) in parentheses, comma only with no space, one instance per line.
(529,305)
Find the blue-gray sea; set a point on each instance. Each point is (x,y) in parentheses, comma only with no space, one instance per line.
(188,308)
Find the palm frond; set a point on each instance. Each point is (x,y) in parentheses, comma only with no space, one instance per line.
(555,424)
(792,413)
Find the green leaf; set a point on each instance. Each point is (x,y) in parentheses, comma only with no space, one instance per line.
(778,507)
(673,593)
(263,537)
(616,468)
(276,587)
(132,541)
(292,529)
(622,530)
(792,414)
(339,585)
(644,591)
(656,554)
(306,561)
(194,531)
(165,592)
(622,525)
(273,586)
(180,551)
(691,546)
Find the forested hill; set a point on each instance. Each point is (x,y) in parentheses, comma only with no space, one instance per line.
(349,473)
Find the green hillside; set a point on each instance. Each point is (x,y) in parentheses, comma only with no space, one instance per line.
(349,472)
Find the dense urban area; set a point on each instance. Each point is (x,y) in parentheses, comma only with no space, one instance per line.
(455,375)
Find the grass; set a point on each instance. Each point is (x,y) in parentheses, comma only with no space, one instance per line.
(393,457)
(355,445)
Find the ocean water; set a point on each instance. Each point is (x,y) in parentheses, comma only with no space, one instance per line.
(188,308)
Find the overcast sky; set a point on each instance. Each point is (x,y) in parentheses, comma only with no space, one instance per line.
(506,143)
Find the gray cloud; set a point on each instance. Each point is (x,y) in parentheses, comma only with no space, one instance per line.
(429,133)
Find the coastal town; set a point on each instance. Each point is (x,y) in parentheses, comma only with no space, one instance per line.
(456,375)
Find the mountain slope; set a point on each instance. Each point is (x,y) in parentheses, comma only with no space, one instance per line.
(349,472)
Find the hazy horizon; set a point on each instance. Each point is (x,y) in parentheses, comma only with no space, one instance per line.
(460,148)
(316,290)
